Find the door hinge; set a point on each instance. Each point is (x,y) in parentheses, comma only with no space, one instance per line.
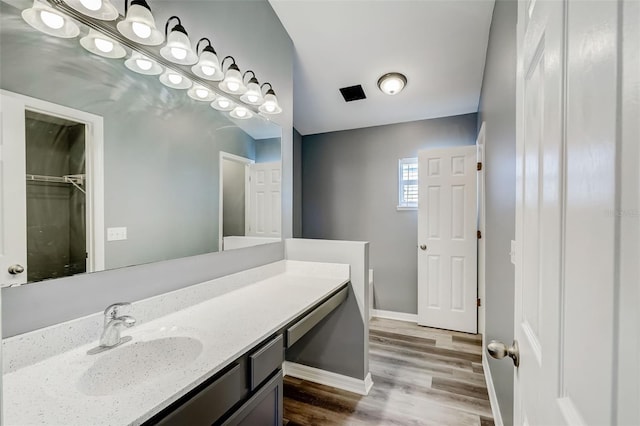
(479,302)
(479,165)
(479,234)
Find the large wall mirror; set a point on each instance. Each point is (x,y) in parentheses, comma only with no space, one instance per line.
(104,168)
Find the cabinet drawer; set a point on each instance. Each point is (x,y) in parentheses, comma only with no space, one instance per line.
(213,401)
(265,361)
(295,332)
(265,408)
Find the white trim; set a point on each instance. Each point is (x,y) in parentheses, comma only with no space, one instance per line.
(482,252)
(232,157)
(327,378)
(403,208)
(94,160)
(399,316)
(493,398)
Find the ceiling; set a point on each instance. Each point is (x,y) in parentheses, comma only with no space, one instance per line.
(439,45)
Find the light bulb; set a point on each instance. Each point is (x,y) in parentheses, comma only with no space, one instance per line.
(241,112)
(223,103)
(178,53)
(233,86)
(207,70)
(252,98)
(103,45)
(270,107)
(141,30)
(52,20)
(175,78)
(391,85)
(144,64)
(202,93)
(92,4)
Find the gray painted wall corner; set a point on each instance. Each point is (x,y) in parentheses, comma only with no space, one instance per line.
(497,110)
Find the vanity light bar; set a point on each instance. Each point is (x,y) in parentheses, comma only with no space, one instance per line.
(110,30)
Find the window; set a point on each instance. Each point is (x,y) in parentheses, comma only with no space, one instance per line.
(408,184)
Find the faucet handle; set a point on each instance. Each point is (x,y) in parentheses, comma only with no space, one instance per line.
(112,310)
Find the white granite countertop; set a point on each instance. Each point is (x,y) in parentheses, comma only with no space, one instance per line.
(72,388)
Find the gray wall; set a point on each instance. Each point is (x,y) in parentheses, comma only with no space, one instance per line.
(297,184)
(233,198)
(268,150)
(350,187)
(268,50)
(497,109)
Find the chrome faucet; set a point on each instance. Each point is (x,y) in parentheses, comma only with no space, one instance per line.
(113,323)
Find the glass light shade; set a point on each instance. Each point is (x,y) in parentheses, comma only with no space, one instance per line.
(253,95)
(102,45)
(392,83)
(49,21)
(178,49)
(139,25)
(270,105)
(223,104)
(142,65)
(232,82)
(99,9)
(241,113)
(208,67)
(174,80)
(201,93)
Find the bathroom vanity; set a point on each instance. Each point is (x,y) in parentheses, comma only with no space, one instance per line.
(211,353)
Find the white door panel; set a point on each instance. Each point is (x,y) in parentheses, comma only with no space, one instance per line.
(565,251)
(13,208)
(265,200)
(447,285)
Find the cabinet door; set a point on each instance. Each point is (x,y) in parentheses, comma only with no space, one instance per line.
(264,408)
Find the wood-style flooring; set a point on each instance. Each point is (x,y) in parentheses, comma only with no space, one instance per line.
(421,376)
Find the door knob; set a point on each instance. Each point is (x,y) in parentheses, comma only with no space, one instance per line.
(16,269)
(423,246)
(499,350)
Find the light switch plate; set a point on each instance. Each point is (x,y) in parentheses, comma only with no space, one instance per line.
(117,234)
(512,253)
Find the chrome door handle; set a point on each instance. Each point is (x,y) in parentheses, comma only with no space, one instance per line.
(15,269)
(423,246)
(499,350)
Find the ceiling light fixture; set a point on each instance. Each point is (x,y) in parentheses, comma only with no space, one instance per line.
(232,82)
(99,9)
(99,44)
(270,105)
(49,21)
(139,25)
(178,48)
(208,66)
(253,95)
(392,83)
(142,64)
(174,80)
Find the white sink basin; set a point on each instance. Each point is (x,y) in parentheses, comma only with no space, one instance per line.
(118,369)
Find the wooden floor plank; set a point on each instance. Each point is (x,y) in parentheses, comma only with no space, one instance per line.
(421,376)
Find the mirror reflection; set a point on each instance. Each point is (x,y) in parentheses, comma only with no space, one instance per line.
(107,168)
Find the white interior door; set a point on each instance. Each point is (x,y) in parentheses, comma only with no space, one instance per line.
(565,251)
(13,208)
(264,212)
(447,238)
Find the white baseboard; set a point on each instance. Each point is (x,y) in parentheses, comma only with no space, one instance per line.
(493,398)
(327,378)
(400,316)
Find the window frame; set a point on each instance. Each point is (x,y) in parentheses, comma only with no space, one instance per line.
(403,204)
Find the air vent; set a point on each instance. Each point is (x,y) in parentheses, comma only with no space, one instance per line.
(353,93)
